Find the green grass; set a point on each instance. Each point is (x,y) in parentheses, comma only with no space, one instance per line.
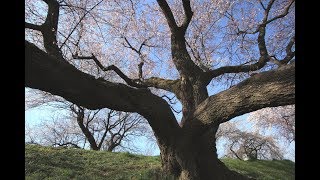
(262,169)
(59,163)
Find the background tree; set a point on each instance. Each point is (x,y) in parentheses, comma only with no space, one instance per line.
(107,130)
(248,145)
(59,133)
(280,119)
(177,46)
(102,129)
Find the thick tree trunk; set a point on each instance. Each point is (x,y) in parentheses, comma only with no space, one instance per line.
(196,163)
(194,158)
(200,161)
(169,162)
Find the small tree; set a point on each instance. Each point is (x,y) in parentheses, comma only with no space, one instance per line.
(107,129)
(58,132)
(103,129)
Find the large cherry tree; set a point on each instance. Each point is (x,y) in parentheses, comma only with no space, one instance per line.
(124,55)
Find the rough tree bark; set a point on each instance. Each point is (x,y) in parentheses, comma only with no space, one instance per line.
(187,150)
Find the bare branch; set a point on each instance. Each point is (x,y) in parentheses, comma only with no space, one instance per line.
(176,111)
(50,74)
(140,75)
(262,44)
(197,58)
(129,81)
(247,32)
(289,56)
(262,5)
(267,10)
(234,152)
(102,138)
(286,11)
(74,28)
(131,47)
(169,99)
(264,56)
(169,85)
(234,69)
(32,26)
(265,20)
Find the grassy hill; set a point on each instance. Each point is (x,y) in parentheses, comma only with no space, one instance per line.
(59,163)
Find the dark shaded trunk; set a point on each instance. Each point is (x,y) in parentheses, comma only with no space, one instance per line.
(111,147)
(87,133)
(194,158)
(169,162)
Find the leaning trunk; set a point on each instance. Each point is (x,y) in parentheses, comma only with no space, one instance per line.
(88,135)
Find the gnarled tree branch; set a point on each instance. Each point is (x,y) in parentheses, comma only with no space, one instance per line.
(266,89)
(286,11)
(129,81)
(50,74)
(264,55)
(166,84)
(234,69)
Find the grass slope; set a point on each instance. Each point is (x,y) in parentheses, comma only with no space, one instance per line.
(59,163)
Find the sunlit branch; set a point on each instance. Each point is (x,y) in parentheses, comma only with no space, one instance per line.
(235,69)
(267,89)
